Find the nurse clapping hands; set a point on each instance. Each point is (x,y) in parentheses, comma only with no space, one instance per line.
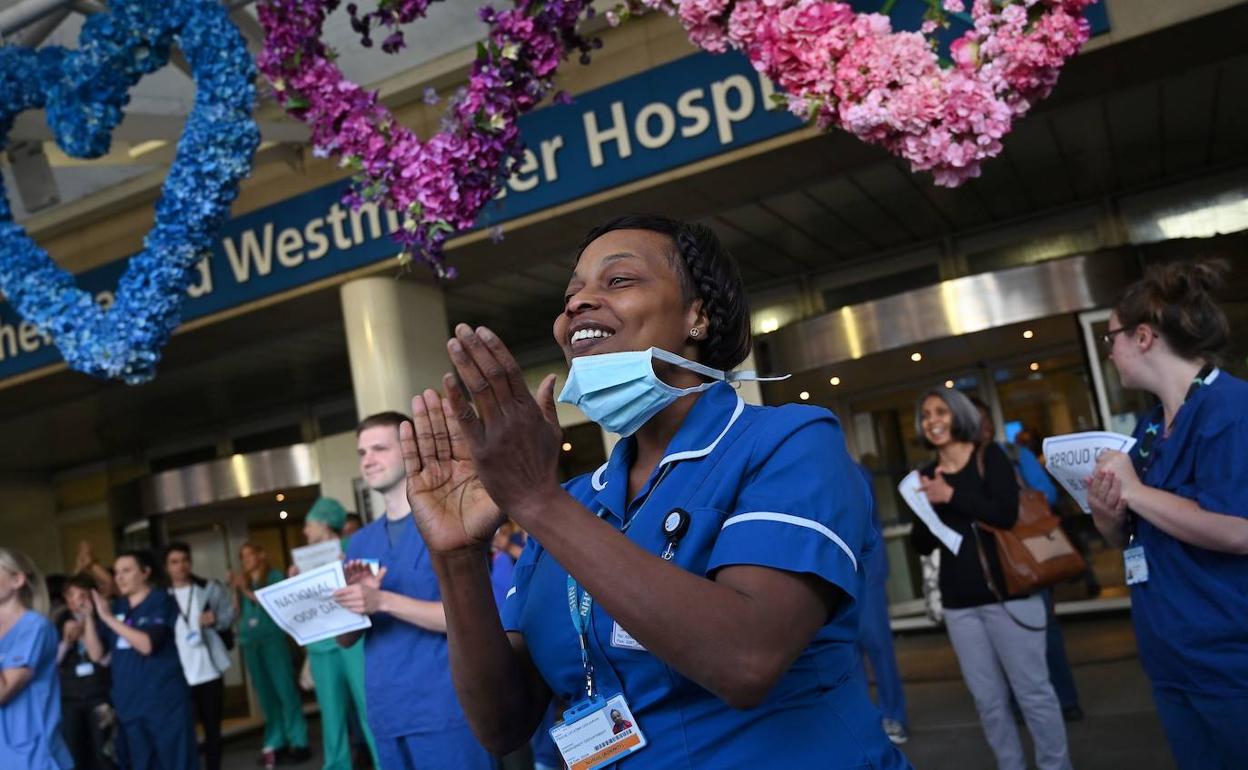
(150,693)
(1178,505)
(702,583)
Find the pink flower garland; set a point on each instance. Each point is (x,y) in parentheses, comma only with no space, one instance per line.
(437,186)
(851,70)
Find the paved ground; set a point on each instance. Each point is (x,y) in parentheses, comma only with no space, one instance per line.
(1121,729)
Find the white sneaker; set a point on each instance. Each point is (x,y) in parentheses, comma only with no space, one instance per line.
(894,730)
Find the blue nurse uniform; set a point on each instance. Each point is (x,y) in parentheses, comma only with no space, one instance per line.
(1191,616)
(771,487)
(412,707)
(30,723)
(150,693)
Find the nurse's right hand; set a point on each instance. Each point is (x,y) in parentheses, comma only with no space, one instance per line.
(449,503)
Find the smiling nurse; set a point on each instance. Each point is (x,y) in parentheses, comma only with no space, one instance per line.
(704,582)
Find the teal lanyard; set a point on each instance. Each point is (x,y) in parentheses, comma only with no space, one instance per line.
(579,605)
(1144,457)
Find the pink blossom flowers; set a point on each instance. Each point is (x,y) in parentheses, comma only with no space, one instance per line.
(853,71)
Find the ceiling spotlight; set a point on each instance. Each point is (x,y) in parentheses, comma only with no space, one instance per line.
(835,381)
(804,395)
(567,447)
(1034,366)
(1028,334)
(280,497)
(282,515)
(916,357)
(949,384)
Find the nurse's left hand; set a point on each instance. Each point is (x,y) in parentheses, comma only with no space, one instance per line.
(513,437)
(1118,465)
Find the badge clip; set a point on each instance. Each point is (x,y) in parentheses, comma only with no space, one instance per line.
(675,525)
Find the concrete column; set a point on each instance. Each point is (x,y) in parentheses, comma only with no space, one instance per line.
(396,341)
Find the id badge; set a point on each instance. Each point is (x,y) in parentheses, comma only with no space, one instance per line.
(1135,564)
(623,640)
(193,638)
(84,669)
(122,643)
(594,733)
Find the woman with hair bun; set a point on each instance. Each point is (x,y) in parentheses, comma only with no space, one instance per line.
(1178,505)
(30,690)
(704,582)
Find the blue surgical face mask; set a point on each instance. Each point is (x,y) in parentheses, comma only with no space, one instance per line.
(621,392)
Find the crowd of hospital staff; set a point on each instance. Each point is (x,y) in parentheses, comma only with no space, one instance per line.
(723,573)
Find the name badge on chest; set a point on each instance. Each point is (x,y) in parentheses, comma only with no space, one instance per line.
(193,638)
(597,732)
(623,640)
(84,669)
(122,642)
(1135,564)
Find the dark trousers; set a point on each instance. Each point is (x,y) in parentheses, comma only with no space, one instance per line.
(209,700)
(88,728)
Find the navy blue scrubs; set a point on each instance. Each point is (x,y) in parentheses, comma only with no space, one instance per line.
(765,486)
(412,707)
(1191,616)
(150,693)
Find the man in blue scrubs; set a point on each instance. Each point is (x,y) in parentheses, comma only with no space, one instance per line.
(412,708)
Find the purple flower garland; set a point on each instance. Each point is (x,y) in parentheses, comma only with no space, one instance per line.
(438,186)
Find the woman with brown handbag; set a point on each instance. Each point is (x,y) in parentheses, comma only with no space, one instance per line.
(999,639)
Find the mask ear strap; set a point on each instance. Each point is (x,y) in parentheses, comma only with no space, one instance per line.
(714,374)
(752,376)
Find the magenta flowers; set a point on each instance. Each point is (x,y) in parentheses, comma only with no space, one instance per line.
(438,186)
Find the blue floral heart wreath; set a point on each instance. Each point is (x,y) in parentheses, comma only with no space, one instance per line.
(84,91)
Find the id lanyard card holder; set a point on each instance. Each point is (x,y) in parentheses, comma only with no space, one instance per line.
(595,731)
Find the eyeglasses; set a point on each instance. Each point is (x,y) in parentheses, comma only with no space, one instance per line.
(1107,338)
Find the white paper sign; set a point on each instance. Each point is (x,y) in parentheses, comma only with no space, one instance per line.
(312,556)
(922,507)
(304,607)
(1071,459)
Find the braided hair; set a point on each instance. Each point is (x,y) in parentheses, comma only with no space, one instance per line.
(707,271)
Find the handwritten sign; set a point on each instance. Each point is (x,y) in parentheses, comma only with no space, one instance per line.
(1071,459)
(922,507)
(312,556)
(304,606)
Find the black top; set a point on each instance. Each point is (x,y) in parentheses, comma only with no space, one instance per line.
(82,679)
(992,500)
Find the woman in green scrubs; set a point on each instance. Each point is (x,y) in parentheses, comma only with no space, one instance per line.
(338,672)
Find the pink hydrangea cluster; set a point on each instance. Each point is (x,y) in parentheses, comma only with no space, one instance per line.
(438,186)
(842,68)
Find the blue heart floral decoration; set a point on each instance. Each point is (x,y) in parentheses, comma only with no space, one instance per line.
(84,91)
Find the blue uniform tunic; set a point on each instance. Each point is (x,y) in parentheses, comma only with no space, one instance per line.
(771,487)
(1191,617)
(30,723)
(150,693)
(407,669)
